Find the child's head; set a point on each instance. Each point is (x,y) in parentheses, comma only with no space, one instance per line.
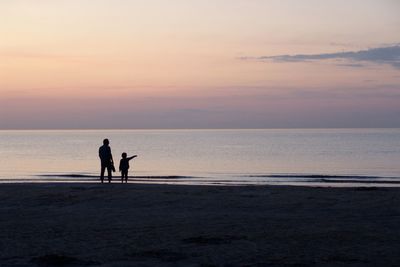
(124,155)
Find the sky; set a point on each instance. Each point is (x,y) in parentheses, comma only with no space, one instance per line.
(83,64)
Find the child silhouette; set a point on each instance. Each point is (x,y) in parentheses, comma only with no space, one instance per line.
(124,166)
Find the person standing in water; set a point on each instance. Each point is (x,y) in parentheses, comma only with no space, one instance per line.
(124,166)
(106,159)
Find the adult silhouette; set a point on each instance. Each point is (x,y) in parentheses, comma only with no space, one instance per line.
(106,159)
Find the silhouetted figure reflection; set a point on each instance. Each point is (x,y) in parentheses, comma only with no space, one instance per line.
(124,166)
(106,159)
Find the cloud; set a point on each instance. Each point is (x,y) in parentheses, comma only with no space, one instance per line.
(382,55)
(352,65)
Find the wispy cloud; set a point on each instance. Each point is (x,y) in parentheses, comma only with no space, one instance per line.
(382,55)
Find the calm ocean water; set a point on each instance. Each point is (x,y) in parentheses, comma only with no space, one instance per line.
(292,156)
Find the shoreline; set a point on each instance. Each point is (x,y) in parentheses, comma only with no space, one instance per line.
(177,225)
(302,180)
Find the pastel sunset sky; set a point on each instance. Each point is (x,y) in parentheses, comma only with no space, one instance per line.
(199,64)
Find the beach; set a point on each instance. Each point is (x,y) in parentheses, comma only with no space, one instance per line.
(172,225)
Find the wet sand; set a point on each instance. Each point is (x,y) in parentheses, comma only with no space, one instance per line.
(170,225)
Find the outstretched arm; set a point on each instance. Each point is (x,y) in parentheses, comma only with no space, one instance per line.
(132,157)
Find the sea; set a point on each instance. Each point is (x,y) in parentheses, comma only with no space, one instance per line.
(234,157)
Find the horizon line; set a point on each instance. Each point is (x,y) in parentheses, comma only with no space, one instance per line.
(171,129)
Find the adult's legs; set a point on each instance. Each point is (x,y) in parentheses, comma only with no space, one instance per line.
(109,173)
(103,168)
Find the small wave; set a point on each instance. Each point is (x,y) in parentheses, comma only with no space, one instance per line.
(315,176)
(72,175)
(361,181)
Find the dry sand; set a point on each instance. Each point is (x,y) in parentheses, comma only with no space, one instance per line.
(169,225)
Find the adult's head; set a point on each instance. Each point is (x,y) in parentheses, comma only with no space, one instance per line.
(106,142)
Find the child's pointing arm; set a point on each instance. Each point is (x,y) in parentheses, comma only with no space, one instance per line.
(132,157)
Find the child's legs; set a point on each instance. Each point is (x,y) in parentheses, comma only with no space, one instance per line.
(126,176)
